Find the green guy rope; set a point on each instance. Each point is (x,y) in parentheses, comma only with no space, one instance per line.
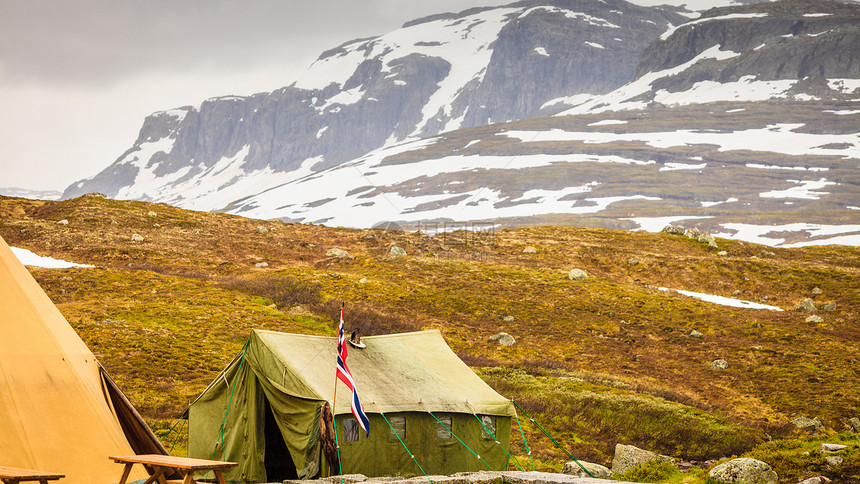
(464,444)
(552,439)
(229,402)
(337,446)
(178,433)
(493,435)
(526,444)
(411,455)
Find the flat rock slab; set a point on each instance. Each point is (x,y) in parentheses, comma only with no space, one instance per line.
(484,477)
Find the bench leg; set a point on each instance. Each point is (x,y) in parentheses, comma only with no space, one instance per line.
(125,473)
(220,476)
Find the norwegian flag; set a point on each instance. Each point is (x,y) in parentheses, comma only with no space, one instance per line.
(346,377)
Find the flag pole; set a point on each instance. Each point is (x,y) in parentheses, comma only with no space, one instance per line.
(334,400)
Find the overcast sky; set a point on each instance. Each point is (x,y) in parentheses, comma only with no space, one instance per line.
(77,77)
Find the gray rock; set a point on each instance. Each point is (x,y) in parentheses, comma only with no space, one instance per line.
(816,291)
(503,339)
(737,293)
(530,250)
(151,214)
(834,461)
(260,265)
(693,233)
(262,230)
(396,251)
(508,318)
(831,306)
(577,275)
(695,334)
(854,423)
(62,222)
(815,480)
(814,319)
(136,238)
(832,447)
(114,222)
(810,424)
(632,262)
(706,238)
(722,253)
(363,280)
(596,470)
(628,456)
(712,245)
(674,229)
(806,306)
(744,470)
(719,364)
(338,253)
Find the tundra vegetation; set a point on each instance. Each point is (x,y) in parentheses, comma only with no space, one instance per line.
(605,360)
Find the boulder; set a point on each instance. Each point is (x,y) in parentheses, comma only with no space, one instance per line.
(693,233)
(806,306)
(262,230)
(832,447)
(632,262)
(151,214)
(530,250)
(712,245)
(831,306)
(577,275)
(834,461)
(854,423)
(816,291)
(815,480)
(815,319)
(62,222)
(720,364)
(503,339)
(695,334)
(260,265)
(674,229)
(743,470)
(136,238)
(396,251)
(628,456)
(722,253)
(339,253)
(810,424)
(596,470)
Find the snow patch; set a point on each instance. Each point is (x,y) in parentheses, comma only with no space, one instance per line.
(724,301)
(541,51)
(711,204)
(805,190)
(29,258)
(732,16)
(671,166)
(593,44)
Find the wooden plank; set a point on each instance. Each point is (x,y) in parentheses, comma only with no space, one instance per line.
(184,463)
(20,474)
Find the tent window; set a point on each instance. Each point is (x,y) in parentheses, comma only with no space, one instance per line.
(443,433)
(350,430)
(398,429)
(489,424)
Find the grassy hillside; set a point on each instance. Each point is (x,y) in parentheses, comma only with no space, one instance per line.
(602,361)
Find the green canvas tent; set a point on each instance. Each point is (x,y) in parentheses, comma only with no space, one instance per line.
(264,410)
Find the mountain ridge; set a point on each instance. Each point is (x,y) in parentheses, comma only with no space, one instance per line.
(532,169)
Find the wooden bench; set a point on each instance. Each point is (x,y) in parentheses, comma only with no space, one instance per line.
(14,475)
(165,465)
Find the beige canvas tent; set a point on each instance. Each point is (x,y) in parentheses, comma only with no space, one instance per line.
(59,412)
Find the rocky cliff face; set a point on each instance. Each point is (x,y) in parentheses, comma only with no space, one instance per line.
(790,39)
(433,75)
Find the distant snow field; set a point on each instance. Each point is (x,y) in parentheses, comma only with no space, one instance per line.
(28,258)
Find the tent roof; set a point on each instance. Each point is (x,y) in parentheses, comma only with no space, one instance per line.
(394,373)
(54,416)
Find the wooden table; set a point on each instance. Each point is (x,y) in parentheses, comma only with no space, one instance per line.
(167,464)
(14,475)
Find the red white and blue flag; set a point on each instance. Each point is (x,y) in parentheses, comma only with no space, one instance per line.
(346,377)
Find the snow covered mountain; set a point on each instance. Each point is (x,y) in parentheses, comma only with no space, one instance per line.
(435,74)
(745,121)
